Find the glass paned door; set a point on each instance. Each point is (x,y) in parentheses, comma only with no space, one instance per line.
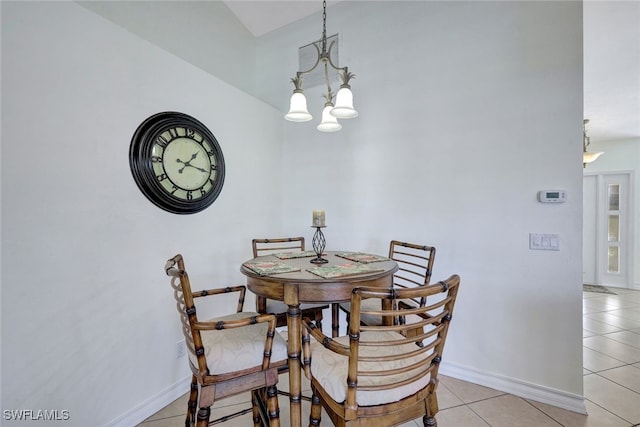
(615,240)
(613,195)
(613,228)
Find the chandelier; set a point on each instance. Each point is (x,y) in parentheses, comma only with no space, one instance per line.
(343,107)
(587,157)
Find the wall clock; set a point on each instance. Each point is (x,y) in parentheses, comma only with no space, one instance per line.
(176,162)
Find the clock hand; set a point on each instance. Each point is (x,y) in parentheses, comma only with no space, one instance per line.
(185,165)
(195,167)
(188,162)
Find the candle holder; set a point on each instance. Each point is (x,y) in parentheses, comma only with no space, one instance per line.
(318,243)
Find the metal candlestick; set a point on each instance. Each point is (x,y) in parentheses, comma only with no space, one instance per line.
(318,245)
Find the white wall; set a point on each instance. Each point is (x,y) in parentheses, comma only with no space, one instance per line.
(622,155)
(88,318)
(467,109)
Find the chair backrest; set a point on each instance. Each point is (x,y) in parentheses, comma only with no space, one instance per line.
(272,246)
(415,265)
(382,358)
(187,309)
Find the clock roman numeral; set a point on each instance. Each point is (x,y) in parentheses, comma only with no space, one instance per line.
(161,141)
(156,159)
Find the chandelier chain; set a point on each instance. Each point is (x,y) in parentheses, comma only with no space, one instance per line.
(324,26)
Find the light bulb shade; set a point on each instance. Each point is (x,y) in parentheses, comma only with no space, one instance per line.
(329,123)
(344,105)
(590,157)
(298,111)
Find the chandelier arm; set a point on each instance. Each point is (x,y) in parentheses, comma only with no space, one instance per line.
(585,139)
(343,69)
(301,73)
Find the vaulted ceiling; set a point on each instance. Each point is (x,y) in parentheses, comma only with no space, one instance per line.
(611,56)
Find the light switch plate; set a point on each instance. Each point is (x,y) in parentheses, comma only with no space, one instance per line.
(544,242)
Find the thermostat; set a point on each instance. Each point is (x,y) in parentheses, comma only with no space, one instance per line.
(552,196)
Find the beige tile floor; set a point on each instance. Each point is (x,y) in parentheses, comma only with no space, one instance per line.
(611,333)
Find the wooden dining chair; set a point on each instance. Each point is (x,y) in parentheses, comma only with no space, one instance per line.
(278,308)
(415,266)
(377,375)
(229,354)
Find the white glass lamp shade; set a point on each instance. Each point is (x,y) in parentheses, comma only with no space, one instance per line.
(329,123)
(590,157)
(344,105)
(298,111)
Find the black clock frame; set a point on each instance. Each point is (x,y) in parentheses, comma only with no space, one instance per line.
(141,165)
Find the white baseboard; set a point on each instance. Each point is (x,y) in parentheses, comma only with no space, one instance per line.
(152,405)
(550,396)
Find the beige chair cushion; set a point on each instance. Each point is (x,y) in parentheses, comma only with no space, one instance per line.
(375,304)
(330,370)
(230,350)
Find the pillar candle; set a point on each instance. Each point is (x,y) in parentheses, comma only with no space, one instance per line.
(318,218)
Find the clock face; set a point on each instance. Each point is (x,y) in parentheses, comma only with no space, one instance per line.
(177,163)
(184,163)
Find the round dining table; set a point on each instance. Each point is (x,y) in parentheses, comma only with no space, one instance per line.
(302,285)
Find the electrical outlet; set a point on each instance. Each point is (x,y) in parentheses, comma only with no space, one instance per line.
(181,349)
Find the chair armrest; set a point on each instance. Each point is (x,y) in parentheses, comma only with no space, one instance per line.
(236,323)
(229,289)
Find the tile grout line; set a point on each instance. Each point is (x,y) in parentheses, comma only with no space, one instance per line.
(616,383)
(543,412)
(608,411)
